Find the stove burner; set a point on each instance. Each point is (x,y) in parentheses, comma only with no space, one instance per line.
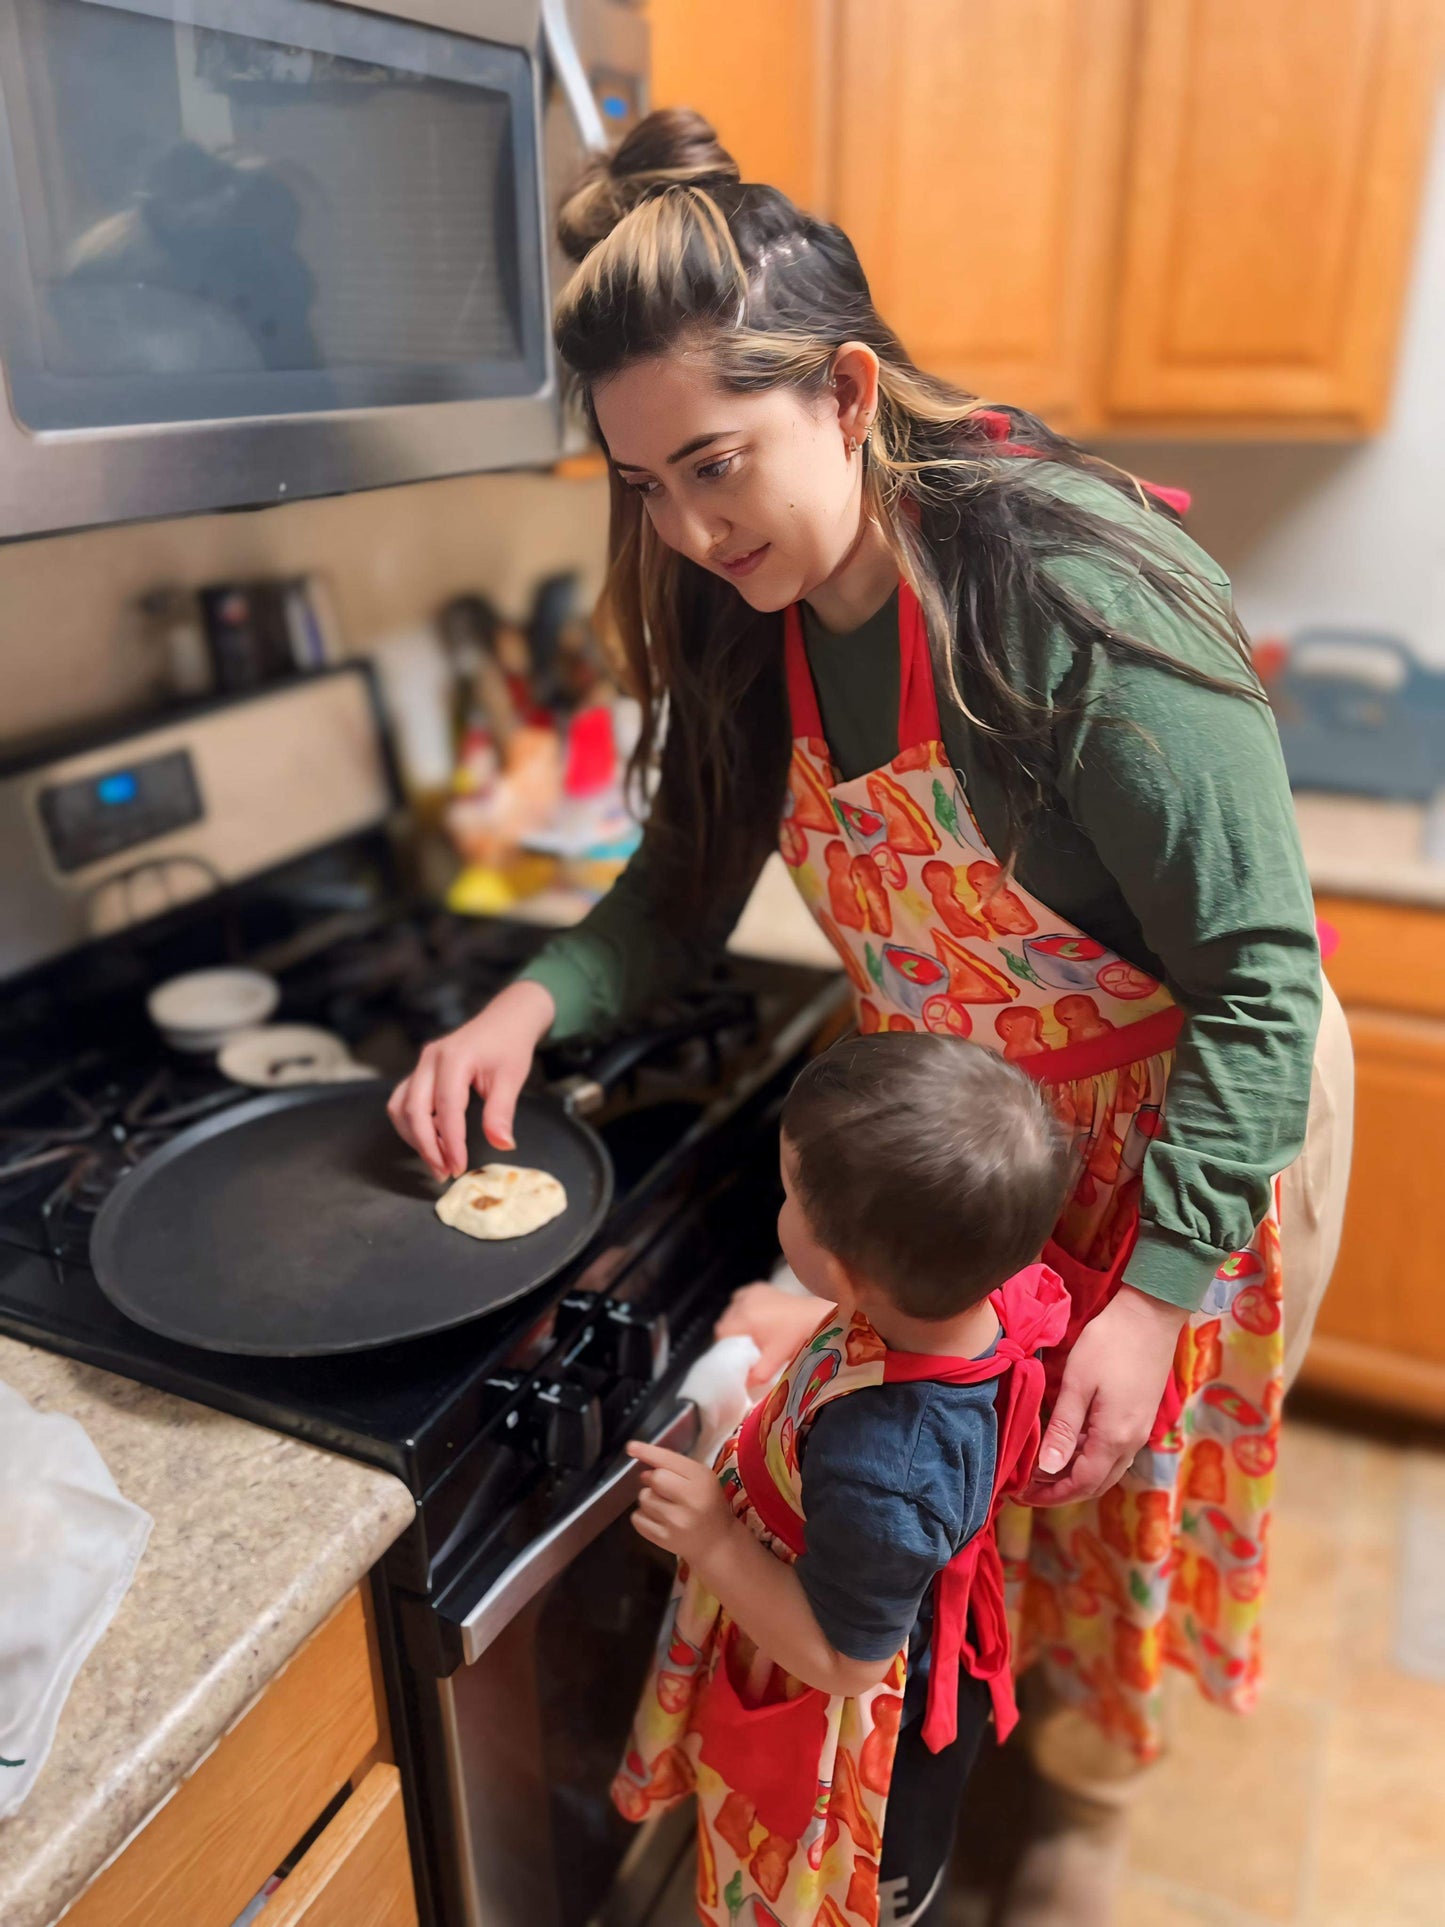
(99,1133)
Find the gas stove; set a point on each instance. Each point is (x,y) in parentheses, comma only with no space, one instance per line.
(72,1128)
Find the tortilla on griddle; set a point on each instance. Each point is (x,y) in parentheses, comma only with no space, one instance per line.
(502,1201)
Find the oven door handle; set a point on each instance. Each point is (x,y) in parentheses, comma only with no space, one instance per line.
(555,1549)
(571,75)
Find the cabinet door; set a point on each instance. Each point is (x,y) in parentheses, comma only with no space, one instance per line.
(977,166)
(1381,1330)
(760,71)
(358,1873)
(1276,161)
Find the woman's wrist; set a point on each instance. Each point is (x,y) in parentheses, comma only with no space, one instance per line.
(530,1006)
(1143,1305)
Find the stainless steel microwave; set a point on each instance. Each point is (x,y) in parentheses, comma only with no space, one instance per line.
(252,250)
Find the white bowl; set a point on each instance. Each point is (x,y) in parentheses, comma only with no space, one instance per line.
(200,1011)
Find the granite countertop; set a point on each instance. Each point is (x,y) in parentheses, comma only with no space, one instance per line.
(257,1537)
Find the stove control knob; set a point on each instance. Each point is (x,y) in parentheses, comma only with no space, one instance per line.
(565,1427)
(633,1344)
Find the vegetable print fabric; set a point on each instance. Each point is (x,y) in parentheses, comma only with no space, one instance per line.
(1168,1567)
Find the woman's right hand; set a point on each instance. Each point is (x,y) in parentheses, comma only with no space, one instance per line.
(491,1055)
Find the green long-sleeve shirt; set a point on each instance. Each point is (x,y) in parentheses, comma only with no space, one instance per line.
(1167,833)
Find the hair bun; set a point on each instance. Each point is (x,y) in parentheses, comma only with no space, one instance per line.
(673,147)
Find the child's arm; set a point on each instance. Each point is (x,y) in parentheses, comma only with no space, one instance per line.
(682,1508)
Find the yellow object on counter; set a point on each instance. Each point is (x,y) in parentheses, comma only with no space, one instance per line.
(480,891)
(490,890)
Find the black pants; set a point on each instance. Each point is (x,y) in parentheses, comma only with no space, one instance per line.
(925,1797)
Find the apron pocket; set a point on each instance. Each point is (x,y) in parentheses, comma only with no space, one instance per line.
(771,1754)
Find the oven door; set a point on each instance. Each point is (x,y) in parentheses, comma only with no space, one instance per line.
(535,1720)
(258,249)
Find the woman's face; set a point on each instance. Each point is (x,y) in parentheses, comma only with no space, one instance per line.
(761,488)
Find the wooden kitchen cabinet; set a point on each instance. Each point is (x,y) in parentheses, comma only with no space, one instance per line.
(1131,216)
(759,70)
(1381,1329)
(319,1727)
(977,167)
(1269,214)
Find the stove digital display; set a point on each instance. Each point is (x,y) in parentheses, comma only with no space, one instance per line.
(94,817)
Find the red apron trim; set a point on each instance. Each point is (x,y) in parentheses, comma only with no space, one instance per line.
(918,719)
(761,1487)
(807,718)
(1127,1044)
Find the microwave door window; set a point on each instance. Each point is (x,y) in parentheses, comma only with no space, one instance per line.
(267,208)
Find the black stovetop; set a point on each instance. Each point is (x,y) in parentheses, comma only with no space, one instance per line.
(87,1090)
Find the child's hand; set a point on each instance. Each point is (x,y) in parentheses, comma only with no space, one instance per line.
(682,1508)
(778,1322)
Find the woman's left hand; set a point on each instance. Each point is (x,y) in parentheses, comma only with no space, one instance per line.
(1113,1381)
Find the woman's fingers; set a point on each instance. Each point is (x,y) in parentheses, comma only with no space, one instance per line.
(452,1092)
(1061,1436)
(500,1107)
(420,1130)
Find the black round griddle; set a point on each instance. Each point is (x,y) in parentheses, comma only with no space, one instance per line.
(299,1223)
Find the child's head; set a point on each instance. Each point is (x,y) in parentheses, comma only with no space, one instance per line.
(920,1167)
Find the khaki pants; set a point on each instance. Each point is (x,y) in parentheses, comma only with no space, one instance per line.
(1067,1750)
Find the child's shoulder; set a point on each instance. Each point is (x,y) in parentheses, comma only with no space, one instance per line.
(923,1440)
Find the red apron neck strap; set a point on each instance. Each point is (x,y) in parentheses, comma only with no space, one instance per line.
(807,719)
(917,698)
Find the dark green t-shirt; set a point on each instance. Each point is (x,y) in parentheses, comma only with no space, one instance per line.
(1168,834)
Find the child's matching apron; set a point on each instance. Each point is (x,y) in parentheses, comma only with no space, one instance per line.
(1170,1564)
(792,1784)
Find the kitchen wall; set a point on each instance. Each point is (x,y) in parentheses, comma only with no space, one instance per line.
(1335,535)
(70,639)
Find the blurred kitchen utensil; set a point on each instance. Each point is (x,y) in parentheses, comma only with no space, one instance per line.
(248,633)
(172,616)
(469,629)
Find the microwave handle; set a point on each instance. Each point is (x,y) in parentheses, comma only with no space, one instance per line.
(555,1550)
(571,76)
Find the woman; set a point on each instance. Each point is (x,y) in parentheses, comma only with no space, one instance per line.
(996,710)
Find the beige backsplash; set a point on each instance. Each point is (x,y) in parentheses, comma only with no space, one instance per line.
(69,633)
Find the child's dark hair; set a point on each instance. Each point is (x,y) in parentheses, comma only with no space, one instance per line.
(932,1165)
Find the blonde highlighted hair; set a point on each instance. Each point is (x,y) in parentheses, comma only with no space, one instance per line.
(676,253)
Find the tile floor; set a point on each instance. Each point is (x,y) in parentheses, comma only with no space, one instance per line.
(1327,1807)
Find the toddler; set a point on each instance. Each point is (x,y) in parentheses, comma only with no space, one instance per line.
(836,1641)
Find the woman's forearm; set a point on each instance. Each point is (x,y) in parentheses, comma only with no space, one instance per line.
(767,1600)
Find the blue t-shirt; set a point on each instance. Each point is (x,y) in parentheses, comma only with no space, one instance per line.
(895,1479)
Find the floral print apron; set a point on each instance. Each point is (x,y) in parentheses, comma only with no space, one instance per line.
(792,1783)
(1168,1566)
